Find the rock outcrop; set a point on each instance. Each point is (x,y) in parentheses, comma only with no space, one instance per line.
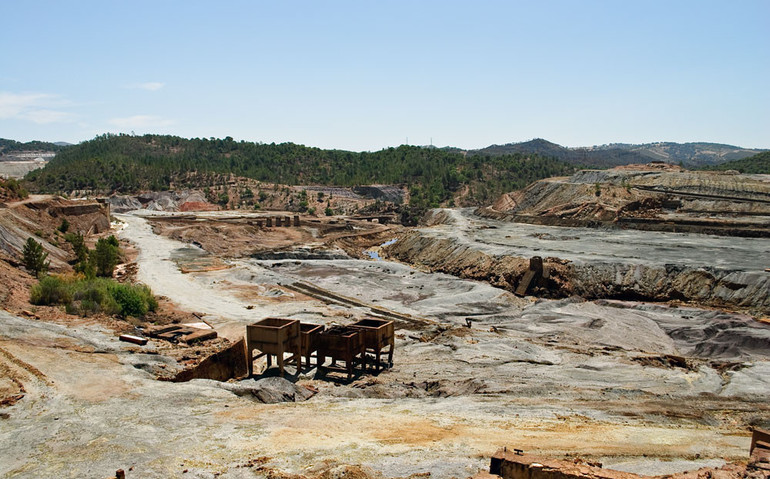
(270,390)
(183,200)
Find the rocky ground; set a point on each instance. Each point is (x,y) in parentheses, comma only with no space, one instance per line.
(647,386)
(595,262)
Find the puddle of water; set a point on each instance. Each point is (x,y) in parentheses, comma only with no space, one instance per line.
(375,255)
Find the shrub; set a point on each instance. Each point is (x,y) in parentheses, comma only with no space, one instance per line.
(50,290)
(133,300)
(93,296)
(15,188)
(86,296)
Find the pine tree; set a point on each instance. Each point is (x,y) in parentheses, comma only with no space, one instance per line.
(35,257)
(104,257)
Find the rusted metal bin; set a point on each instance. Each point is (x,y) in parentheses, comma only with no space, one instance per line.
(341,343)
(309,334)
(274,336)
(378,334)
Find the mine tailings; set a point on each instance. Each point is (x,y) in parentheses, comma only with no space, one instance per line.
(595,280)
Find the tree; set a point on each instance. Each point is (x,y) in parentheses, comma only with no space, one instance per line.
(82,262)
(104,257)
(35,257)
(78,245)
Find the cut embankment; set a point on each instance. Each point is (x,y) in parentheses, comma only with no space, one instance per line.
(591,280)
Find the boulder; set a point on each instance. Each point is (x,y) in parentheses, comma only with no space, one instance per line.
(269,390)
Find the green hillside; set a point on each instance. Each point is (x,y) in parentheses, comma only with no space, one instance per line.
(692,155)
(580,157)
(12,146)
(128,164)
(754,164)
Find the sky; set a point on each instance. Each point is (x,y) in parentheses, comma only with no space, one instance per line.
(364,75)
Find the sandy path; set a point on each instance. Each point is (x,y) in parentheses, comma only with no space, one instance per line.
(157,271)
(228,298)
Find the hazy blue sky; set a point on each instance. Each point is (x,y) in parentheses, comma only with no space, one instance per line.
(364,75)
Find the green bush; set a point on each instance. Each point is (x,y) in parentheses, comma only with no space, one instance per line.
(15,188)
(50,290)
(94,295)
(133,300)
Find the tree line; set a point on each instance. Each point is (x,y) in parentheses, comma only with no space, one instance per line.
(129,164)
(13,146)
(757,164)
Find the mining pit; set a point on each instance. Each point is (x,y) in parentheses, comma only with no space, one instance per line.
(625,376)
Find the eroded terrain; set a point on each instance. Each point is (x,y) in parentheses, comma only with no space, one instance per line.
(647,386)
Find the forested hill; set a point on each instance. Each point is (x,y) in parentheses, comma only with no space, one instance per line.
(754,164)
(692,155)
(582,157)
(127,164)
(12,146)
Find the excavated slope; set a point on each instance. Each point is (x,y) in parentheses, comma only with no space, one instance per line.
(457,250)
(652,197)
(41,218)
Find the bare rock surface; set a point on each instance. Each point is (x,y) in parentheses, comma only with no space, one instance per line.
(595,263)
(616,379)
(269,390)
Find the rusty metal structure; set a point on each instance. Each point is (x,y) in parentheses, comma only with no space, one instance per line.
(274,337)
(348,345)
(341,343)
(309,339)
(760,450)
(378,335)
